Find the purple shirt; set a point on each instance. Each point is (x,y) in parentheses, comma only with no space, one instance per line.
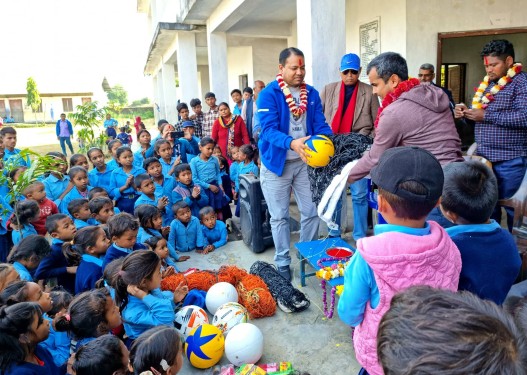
(64,132)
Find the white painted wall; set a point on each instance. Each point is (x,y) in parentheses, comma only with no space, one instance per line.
(239,62)
(265,59)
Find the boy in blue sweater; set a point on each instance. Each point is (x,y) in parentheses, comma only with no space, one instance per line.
(123,230)
(186,191)
(101,209)
(145,185)
(61,229)
(490,259)
(79,209)
(214,231)
(185,229)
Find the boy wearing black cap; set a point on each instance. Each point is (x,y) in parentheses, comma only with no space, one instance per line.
(405,252)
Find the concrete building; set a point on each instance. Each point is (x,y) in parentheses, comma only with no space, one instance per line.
(218,45)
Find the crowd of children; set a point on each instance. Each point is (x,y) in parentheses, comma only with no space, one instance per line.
(101,239)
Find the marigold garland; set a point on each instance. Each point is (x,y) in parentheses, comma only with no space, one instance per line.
(297,111)
(327,273)
(482,101)
(401,88)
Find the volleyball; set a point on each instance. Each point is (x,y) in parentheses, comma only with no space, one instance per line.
(229,315)
(320,151)
(244,344)
(188,318)
(204,346)
(218,294)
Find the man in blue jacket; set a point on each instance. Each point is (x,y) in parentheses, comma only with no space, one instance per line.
(64,132)
(290,112)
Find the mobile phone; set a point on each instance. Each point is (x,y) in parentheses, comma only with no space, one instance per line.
(177,135)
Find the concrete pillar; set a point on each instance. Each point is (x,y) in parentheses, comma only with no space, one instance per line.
(169,92)
(187,66)
(160,95)
(318,34)
(218,71)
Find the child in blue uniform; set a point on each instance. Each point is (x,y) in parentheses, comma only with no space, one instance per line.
(122,185)
(113,146)
(146,151)
(58,343)
(79,178)
(101,209)
(79,160)
(104,355)
(123,235)
(27,255)
(159,246)
(163,149)
(57,184)
(187,191)
(27,211)
(101,173)
(246,165)
(80,211)
(124,137)
(214,231)
(145,185)
(163,185)
(185,230)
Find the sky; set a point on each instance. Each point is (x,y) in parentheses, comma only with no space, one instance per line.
(71,45)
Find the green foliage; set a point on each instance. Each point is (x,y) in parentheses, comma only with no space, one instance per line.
(89,117)
(118,95)
(33,96)
(139,102)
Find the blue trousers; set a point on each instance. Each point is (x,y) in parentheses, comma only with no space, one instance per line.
(509,174)
(127,204)
(359,200)
(63,142)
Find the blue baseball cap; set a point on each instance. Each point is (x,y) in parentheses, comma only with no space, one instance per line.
(350,61)
(187,124)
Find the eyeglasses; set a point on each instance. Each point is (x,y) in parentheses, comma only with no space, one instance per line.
(348,71)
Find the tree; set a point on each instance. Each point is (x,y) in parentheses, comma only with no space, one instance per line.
(118,95)
(33,96)
(89,116)
(139,102)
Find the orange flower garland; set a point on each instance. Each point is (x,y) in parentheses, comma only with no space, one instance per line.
(482,101)
(297,111)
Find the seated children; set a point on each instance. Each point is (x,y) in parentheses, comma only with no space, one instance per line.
(123,235)
(214,231)
(79,210)
(101,209)
(405,252)
(227,186)
(61,228)
(163,150)
(79,179)
(113,146)
(124,137)
(58,343)
(146,149)
(122,185)
(105,355)
(470,194)
(26,212)
(159,246)
(27,255)
(100,174)
(12,156)
(186,190)
(143,305)
(185,229)
(246,165)
(57,184)
(37,192)
(91,242)
(145,185)
(163,184)
(79,160)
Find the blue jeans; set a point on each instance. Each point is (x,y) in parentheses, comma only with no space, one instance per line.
(277,194)
(359,195)
(509,174)
(63,141)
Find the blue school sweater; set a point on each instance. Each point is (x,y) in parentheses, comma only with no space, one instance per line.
(245,169)
(54,265)
(112,164)
(489,259)
(118,179)
(139,158)
(57,343)
(116,252)
(25,231)
(165,190)
(216,236)
(88,273)
(73,194)
(100,179)
(55,187)
(186,237)
(157,308)
(81,223)
(184,192)
(26,368)
(143,235)
(166,167)
(22,271)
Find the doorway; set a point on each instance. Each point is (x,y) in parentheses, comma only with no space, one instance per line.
(17,110)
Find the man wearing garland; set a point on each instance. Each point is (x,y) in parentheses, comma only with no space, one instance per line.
(499,110)
(290,112)
(411,114)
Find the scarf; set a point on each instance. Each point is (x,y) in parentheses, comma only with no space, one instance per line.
(343,123)
(230,139)
(401,88)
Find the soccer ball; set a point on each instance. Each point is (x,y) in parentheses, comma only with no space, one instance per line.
(204,346)
(244,344)
(218,294)
(229,315)
(320,151)
(188,318)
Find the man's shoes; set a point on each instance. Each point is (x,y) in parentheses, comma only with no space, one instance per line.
(285,272)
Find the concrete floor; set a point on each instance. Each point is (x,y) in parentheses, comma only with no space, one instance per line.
(312,343)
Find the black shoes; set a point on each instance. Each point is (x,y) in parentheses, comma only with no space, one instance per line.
(285,272)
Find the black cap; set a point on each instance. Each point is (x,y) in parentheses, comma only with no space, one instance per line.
(401,164)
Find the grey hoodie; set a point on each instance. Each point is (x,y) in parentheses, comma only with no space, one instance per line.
(420,117)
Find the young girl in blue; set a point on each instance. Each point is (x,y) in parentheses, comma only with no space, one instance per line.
(227,185)
(163,150)
(206,173)
(122,180)
(163,186)
(159,246)
(113,146)
(214,231)
(146,151)
(150,222)
(27,255)
(79,160)
(90,315)
(142,304)
(57,184)
(91,242)
(101,173)
(104,355)
(246,166)
(26,212)
(58,343)
(79,178)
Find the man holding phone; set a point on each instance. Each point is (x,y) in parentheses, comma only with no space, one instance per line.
(500,115)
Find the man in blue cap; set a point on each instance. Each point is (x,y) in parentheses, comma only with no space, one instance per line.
(351,107)
(193,141)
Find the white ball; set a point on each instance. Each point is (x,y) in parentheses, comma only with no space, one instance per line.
(244,344)
(188,318)
(229,315)
(219,294)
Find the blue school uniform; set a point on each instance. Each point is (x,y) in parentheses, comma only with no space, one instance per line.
(88,272)
(26,230)
(57,343)
(139,158)
(22,271)
(186,237)
(25,368)
(145,199)
(181,148)
(73,194)
(112,164)
(82,223)
(183,192)
(216,236)
(191,147)
(100,179)
(245,169)
(55,187)
(125,200)
(12,159)
(116,252)
(233,170)
(54,265)
(5,214)
(156,308)
(165,190)
(143,235)
(165,167)
(206,173)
